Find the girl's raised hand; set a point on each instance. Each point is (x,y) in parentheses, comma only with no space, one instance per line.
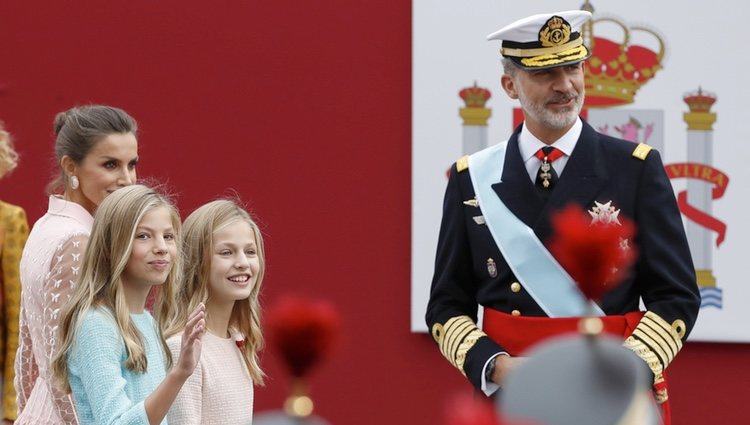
(190,351)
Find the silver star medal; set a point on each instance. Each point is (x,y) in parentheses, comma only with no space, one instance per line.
(604,213)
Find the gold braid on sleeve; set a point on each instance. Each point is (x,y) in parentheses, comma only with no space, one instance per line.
(657,343)
(455,338)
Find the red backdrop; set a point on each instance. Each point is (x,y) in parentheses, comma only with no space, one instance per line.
(303,108)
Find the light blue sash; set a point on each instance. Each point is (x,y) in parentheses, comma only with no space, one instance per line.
(532,264)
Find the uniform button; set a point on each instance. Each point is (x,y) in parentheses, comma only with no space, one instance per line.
(515,287)
(515,313)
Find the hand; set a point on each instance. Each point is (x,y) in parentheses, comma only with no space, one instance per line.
(190,350)
(503,366)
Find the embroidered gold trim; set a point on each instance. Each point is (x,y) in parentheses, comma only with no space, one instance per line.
(464,348)
(448,329)
(645,353)
(657,319)
(641,151)
(668,341)
(530,53)
(577,53)
(645,337)
(657,343)
(655,367)
(678,326)
(454,334)
(658,339)
(455,337)
(462,163)
(459,334)
(672,337)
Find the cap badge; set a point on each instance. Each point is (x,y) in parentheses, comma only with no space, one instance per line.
(555,32)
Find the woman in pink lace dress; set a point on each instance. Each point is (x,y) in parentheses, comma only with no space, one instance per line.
(97,151)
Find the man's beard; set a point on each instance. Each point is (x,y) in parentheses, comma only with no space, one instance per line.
(556,120)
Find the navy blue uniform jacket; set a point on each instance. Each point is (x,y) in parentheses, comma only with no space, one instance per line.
(601,169)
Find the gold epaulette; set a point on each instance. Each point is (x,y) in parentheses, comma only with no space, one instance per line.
(641,151)
(657,343)
(462,163)
(455,338)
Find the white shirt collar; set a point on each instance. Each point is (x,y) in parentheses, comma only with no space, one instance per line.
(528,144)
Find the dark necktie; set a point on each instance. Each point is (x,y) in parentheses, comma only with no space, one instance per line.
(546,177)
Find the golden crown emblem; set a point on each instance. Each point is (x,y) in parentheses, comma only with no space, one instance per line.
(475,97)
(555,22)
(699,101)
(618,69)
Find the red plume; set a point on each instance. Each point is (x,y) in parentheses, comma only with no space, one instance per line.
(596,253)
(303,331)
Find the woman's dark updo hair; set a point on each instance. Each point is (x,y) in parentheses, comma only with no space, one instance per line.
(78,129)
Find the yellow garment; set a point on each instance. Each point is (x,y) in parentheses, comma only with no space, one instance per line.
(14,230)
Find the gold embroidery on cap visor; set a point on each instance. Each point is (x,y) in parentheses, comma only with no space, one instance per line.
(530,53)
(576,54)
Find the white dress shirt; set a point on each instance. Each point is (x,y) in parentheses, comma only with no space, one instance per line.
(528,144)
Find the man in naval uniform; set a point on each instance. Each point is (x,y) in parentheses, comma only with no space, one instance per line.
(496,219)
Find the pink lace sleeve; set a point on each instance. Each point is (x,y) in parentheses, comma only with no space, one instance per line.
(25,365)
(64,274)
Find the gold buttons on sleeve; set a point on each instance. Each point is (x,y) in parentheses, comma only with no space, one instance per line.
(515,313)
(679,328)
(437,333)
(515,287)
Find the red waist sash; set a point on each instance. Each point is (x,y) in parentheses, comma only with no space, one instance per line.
(517,333)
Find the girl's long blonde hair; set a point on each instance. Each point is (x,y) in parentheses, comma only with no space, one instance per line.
(198,230)
(100,284)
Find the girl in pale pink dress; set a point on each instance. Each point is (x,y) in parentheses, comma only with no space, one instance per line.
(97,151)
(224,269)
